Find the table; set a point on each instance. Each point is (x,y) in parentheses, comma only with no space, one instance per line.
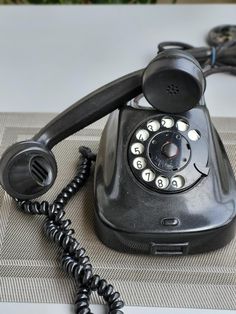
(51,56)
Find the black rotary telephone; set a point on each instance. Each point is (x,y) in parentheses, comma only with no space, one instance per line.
(163,182)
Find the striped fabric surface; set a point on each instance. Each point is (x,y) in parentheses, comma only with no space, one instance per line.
(29,265)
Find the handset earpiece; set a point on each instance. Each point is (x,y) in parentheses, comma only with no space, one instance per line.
(173,82)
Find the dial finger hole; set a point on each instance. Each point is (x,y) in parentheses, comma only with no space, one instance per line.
(177,182)
(137,148)
(194,135)
(182,125)
(153,125)
(162,182)
(142,135)
(167,122)
(139,163)
(148,175)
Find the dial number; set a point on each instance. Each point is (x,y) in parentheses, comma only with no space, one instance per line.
(139,163)
(194,135)
(182,125)
(177,182)
(142,135)
(167,122)
(137,148)
(153,125)
(148,175)
(162,182)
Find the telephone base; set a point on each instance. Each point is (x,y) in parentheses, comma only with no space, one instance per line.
(165,244)
(149,203)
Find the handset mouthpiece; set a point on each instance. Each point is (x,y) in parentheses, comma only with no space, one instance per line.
(27,170)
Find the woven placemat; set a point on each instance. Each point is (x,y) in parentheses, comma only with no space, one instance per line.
(29,266)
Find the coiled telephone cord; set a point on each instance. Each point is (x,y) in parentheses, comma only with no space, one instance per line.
(74,259)
(218,57)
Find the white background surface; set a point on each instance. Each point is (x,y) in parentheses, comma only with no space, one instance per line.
(52,56)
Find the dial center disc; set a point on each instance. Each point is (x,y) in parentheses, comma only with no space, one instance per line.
(169,151)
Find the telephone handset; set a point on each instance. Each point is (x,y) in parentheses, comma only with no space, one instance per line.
(163,181)
(172,82)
